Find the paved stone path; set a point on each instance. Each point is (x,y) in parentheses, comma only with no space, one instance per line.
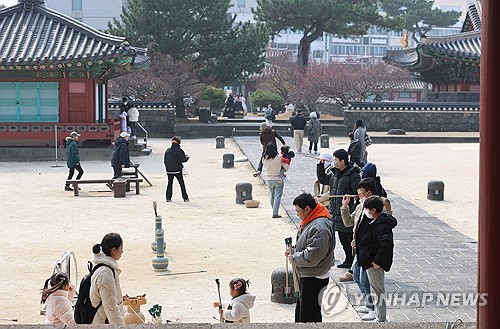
(433,263)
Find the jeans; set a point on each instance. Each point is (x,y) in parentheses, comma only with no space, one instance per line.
(361,278)
(276,191)
(298,136)
(72,172)
(180,179)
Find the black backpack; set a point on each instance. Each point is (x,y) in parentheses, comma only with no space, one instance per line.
(84,311)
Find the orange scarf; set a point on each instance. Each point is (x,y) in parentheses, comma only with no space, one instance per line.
(319,211)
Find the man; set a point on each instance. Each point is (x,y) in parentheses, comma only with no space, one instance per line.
(298,122)
(120,157)
(342,179)
(374,244)
(312,257)
(267,136)
(173,160)
(73,158)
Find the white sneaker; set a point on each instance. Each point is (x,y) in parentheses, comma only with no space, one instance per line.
(362,309)
(369,317)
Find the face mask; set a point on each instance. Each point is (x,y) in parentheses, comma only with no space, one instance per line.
(336,164)
(367,214)
(327,164)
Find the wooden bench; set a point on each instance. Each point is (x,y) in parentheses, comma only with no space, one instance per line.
(120,185)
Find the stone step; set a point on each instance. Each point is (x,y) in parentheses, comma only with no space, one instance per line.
(146,151)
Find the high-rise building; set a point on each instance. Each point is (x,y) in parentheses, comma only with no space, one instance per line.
(96,13)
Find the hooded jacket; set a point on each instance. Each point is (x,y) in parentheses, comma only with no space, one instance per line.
(58,308)
(173,159)
(120,155)
(105,287)
(72,154)
(268,136)
(375,242)
(238,309)
(341,182)
(313,255)
(316,125)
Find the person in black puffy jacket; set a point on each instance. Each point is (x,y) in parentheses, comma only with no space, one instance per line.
(120,157)
(174,159)
(374,244)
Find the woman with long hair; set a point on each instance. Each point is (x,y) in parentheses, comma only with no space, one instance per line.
(272,165)
(57,294)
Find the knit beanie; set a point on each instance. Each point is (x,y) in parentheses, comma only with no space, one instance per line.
(369,170)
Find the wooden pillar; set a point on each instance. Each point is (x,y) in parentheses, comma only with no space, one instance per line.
(489,169)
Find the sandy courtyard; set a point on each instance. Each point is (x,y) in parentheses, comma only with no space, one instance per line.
(211,233)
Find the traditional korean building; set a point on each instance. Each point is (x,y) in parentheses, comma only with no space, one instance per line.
(54,72)
(450,63)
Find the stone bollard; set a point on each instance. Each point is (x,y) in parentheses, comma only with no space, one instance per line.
(220,142)
(243,192)
(324,141)
(435,190)
(228,160)
(278,282)
(160,262)
(158,226)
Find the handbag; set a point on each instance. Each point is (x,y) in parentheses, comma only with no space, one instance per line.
(368,140)
(184,171)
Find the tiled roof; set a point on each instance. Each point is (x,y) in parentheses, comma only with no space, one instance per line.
(411,85)
(473,21)
(32,34)
(461,46)
(401,106)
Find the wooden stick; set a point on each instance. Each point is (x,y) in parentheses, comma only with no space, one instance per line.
(179,273)
(341,196)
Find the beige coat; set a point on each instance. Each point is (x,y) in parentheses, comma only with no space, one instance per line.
(58,308)
(106,288)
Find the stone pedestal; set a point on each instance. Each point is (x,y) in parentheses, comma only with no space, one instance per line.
(324,141)
(435,190)
(220,142)
(243,192)
(228,160)
(278,285)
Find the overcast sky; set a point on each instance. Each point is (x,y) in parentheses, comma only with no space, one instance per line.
(8,3)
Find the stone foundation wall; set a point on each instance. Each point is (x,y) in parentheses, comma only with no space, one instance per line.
(432,121)
(158,122)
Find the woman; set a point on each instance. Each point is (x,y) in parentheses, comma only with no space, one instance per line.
(313,132)
(105,287)
(123,120)
(359,135)
(272,165)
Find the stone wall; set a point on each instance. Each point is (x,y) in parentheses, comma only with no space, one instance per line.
(158,122)
(408,120)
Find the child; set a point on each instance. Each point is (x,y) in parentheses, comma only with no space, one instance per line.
(286,157)
(238,308)
(57,299)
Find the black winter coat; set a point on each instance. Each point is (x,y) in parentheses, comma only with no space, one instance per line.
(375,242)
(173,159)
(341,182)
(354,151)
(299,122)
(120,155)
(268,136)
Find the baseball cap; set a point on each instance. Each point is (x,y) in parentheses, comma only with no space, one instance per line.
(326,156)
(74,134)
(124,134)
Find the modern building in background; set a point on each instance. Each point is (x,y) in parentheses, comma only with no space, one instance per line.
(96,13)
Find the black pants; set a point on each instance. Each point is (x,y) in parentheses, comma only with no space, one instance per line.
(117,171)
(345,240)
(308,308)
(170,184)
(259,167)
(72,172)
(132,128)
(311,146)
